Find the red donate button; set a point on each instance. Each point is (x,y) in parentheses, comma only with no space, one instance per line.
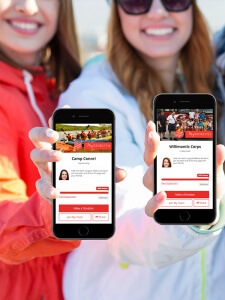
(187,194)
(98,146)
(199,134)
(83,208)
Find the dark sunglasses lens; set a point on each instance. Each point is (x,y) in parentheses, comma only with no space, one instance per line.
(135,7)
(176,5)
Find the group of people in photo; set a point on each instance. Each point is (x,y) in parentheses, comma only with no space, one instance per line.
(194,120)
(87,135)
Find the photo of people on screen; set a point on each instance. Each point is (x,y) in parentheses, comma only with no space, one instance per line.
(83,138)
(184,123)
(166,163)
(64,175)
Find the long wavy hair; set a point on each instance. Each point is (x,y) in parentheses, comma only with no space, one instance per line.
(144,82)
(60,57)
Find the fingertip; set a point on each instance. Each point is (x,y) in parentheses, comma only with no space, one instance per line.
(155,203)
(155,136)
(56,155)
(151,126)
(54,193)
(51,135)
(120,174)
(160,197)
(221,147)
(49,132)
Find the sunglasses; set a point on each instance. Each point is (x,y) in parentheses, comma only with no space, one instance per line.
(139,7)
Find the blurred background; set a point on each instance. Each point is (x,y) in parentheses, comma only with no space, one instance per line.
(92,18)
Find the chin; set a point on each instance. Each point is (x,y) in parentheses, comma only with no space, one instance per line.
(161,54)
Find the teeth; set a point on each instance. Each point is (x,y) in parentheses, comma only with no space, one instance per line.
(159,31)
(25,26)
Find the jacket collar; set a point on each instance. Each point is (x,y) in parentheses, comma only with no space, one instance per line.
(10,75)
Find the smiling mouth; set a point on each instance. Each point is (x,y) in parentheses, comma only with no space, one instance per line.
(159,31)
(24,25)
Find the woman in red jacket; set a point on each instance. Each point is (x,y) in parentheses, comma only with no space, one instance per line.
(38,59)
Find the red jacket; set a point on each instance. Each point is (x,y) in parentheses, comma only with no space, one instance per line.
(27,268)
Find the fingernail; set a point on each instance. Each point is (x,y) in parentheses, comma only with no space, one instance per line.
(52,193)
(150,126)
(153,124)
(150,136)
(50,133)
(159,197)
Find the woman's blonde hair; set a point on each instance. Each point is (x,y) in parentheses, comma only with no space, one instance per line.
(142,81)
(61,55)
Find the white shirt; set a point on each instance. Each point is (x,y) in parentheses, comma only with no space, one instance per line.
(190,123)
(191,114)
(172,119)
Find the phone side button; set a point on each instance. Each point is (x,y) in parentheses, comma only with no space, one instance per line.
(184,216)
(83,230)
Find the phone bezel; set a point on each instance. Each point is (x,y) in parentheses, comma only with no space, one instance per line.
(96,231)
(194,101)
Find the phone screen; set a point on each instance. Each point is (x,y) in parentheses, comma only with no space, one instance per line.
(84,175)
(185,157)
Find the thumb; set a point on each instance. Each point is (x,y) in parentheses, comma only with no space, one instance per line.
(155,203)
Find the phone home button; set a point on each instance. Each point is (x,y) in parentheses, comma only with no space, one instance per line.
(184,216)
(83,230)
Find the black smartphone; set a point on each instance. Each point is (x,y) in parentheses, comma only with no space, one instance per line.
(85,175)
(185,166)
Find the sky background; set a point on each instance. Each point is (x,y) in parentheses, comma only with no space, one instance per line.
(92,17)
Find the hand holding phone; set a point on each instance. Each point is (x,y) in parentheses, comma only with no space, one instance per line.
(151,149)
(185,164)
(84,175)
